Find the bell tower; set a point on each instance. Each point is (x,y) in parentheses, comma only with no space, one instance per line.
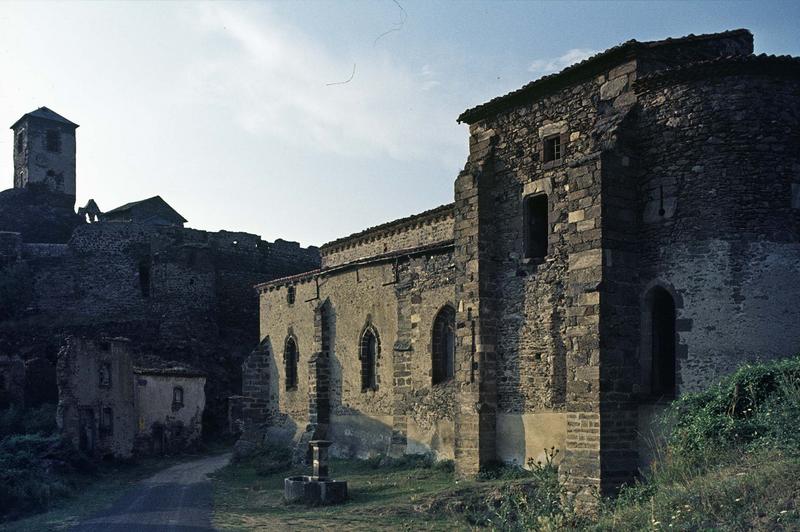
(44,152)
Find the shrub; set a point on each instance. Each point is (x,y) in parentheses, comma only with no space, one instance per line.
(270,458)
(27,481)
(38,420)
(756,405)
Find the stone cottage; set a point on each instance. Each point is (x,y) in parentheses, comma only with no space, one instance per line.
(624,231)
(110,407)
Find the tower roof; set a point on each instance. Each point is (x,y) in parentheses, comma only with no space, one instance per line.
(46,114)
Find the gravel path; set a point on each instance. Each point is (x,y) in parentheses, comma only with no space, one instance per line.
(176,499)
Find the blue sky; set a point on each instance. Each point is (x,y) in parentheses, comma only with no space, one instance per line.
(237,115)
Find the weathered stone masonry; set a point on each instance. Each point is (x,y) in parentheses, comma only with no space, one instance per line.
(667,175)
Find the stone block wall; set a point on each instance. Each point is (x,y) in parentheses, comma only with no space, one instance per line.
(427,228)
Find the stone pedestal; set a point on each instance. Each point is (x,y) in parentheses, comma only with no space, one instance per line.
(318,488)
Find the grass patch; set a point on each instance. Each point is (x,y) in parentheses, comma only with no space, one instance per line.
(382,497)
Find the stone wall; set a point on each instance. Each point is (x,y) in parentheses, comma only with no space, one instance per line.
(184,294)
(398,297)
(427,228)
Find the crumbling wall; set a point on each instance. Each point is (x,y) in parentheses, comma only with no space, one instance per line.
(184,294)
(95,396)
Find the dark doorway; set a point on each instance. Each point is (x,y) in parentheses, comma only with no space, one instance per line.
(662,376)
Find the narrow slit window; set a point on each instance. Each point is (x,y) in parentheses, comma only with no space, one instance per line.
(144,278)
(553,150)
(443,345)
(290,295)
(369,360)
(536,226)
(662,369)
(290,362)
(20,142)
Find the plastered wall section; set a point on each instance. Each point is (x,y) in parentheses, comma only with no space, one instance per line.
(154,403)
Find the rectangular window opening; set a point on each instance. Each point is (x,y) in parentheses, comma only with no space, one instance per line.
(536,227)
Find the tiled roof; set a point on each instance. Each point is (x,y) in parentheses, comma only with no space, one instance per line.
(581,70)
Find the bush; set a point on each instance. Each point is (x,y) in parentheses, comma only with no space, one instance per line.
(27,479)
(38,420)
(757,405)
(270,458)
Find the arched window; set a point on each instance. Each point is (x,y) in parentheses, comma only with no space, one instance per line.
(290,363)
(370,348)
(662,343)
(443,345)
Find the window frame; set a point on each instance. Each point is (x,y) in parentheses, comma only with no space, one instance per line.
(563,141)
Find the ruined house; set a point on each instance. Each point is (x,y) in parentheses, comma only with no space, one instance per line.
(623,231)
(134,271)
(109,406)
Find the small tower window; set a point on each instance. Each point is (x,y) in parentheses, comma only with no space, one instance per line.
(290,295)
(52,140)
(290,363)
(443,345)
(369,359)
(177,396)
(20,141)
(552,148)
(536,226)
(144,278)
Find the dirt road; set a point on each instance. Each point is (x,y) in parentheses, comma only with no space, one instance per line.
(176,499)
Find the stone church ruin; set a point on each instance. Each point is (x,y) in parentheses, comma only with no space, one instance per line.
(623,231)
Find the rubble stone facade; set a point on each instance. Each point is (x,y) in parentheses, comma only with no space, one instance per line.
(623,232)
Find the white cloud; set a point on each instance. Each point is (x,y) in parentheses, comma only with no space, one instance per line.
(554,64)
(277,82)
